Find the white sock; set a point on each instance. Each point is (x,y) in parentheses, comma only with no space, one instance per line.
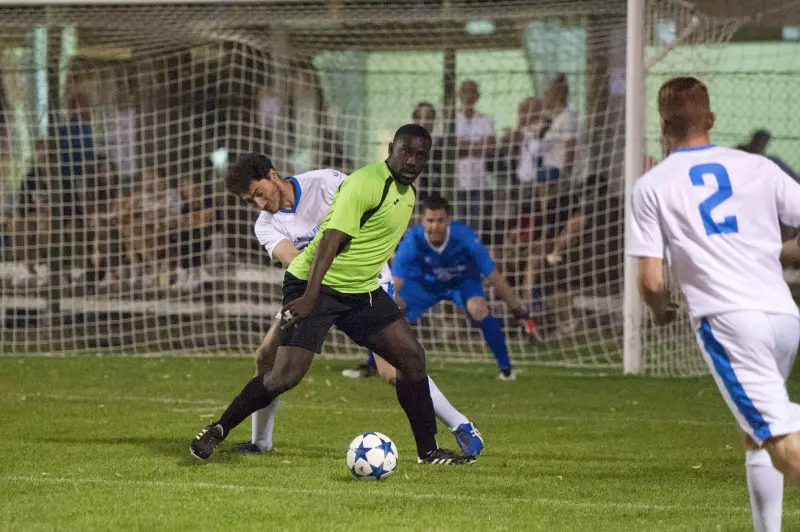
(765,484)
(262,423)
(445,412)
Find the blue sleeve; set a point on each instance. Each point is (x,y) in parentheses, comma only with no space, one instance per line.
(479,252)
(405,255)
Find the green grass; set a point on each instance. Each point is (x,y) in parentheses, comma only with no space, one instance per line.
(101,443)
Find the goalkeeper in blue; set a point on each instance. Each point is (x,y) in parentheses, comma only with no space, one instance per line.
(441,259)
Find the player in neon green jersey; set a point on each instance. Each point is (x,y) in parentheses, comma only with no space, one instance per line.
(334,281)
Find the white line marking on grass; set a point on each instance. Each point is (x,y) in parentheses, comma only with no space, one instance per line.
(391,493)
(437,360)
(202,406)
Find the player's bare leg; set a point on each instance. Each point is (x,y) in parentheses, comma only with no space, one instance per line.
(262,421)
(466,434)
(785,454)
(478,310)
(765,486)
(399,346)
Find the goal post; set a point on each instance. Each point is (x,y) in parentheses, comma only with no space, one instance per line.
(117,122)
(634,155)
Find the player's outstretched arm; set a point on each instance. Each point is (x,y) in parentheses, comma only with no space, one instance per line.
(653,290)
(506,293)
(301,308)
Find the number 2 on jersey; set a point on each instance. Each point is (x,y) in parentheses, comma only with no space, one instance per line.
(724,191)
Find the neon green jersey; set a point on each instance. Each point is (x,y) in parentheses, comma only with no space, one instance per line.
(374,233)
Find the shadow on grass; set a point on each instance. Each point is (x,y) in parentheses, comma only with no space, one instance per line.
(175,447)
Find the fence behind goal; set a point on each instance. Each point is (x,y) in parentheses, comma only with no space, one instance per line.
(118,123)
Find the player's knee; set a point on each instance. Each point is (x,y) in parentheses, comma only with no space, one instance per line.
(414,364)
(263,360)
(281,382)
(265,353)
(785,454)
(477,308)
(787,463)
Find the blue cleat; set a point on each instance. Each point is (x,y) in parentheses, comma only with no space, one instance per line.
(469,439)
(247,448)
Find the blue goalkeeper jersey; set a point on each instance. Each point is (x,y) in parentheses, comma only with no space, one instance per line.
(462,257)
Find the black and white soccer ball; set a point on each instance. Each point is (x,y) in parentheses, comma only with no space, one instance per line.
(372,456)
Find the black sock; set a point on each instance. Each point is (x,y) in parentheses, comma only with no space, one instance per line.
(253,397)
(415,398)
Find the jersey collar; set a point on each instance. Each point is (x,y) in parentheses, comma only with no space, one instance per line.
(440,248)
(298,193)
(695,148)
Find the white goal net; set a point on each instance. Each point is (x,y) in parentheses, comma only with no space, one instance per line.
(117,123)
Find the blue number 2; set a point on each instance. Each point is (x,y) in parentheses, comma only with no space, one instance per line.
(724,191)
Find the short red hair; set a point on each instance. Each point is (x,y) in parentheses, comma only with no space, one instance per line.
(685,108)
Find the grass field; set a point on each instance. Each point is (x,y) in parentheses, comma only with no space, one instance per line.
(101,443)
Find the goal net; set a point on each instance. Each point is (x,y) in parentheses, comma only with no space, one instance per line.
(117,123)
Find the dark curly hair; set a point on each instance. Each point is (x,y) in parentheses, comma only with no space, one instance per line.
(245,169)
(434,202)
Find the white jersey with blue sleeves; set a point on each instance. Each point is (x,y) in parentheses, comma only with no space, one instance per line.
(314,192)
(717,212)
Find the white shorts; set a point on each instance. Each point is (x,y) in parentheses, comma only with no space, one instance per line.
(750,354)
(388,286)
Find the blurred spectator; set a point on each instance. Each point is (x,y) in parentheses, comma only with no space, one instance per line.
(101,198)
(196,227)
(555,198)
(474,140)
(562,140)
(587,251)
(37,225)
(538,231)
(758,144)
(333,153)
(149,218)
(32,222)
(75,139)
(424,115)
(519,157)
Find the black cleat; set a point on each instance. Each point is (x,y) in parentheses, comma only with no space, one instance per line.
(445,457)
(247,447)
(203,444)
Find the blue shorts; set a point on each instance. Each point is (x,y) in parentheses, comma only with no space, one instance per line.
(548,175)
(420,297)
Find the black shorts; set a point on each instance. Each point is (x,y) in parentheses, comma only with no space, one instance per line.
(359,316)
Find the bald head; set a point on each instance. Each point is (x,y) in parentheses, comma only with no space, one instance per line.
(556,92)
(528,111)
(468,93)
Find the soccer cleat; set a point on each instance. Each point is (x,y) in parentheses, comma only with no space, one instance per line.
(247,447)
(445,457)
(203,444)
(364,371)
(507,375)
(469,439)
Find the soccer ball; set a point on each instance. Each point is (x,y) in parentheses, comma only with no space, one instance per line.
(372,456)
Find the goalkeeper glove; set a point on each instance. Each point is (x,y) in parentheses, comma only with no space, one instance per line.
(526,322)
